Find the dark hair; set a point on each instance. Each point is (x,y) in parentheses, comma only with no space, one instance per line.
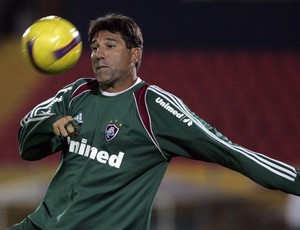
(117,23)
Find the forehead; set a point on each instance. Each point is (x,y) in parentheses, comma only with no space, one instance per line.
(107,35)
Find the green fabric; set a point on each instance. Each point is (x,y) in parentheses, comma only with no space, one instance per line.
(109,173)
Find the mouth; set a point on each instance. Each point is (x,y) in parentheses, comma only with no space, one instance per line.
(102,66)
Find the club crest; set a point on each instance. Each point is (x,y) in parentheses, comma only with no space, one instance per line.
(111,131)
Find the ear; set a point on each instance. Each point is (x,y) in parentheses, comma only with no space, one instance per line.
(136,55)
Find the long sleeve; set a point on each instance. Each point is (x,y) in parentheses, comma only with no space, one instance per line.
(36,137)
(179,132)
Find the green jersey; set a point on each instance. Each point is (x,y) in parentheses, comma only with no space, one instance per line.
(109,173)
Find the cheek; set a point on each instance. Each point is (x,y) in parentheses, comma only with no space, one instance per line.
(93,57)
(123,60)
(93,60)
(93,65)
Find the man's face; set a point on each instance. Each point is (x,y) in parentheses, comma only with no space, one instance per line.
(112,62)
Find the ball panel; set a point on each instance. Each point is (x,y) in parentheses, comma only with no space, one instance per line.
(59,53)
(67,61)
(52,45)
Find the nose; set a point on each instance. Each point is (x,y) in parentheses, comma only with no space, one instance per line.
(99,53)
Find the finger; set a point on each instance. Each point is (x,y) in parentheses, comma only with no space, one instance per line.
(56,130)
(64,130)
(69,128)
(58,126)
(73,127)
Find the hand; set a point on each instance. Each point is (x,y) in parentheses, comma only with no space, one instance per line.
(66,126)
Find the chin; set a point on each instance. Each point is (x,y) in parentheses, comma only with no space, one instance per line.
(102,78)
(105,82)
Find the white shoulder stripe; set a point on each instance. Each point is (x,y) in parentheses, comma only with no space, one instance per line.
(42,110)
(27,120)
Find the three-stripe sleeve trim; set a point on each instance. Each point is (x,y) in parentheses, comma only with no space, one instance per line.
(279,168)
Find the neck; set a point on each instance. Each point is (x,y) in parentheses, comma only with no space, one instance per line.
(118,86)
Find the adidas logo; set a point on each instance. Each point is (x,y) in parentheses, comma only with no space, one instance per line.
(78,118)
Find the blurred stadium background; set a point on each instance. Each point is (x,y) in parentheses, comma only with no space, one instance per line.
(235,63)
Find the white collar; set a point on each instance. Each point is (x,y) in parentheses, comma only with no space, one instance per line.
(138,80)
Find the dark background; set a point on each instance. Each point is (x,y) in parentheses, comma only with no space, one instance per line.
(177,24)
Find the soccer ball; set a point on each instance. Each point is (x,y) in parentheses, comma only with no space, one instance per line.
(52,45)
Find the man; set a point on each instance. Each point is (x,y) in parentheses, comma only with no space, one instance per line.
(117,135)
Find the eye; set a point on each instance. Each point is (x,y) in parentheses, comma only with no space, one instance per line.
(94,48)
(110,46)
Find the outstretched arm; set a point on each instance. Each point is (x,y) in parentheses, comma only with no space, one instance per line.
(179,132)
